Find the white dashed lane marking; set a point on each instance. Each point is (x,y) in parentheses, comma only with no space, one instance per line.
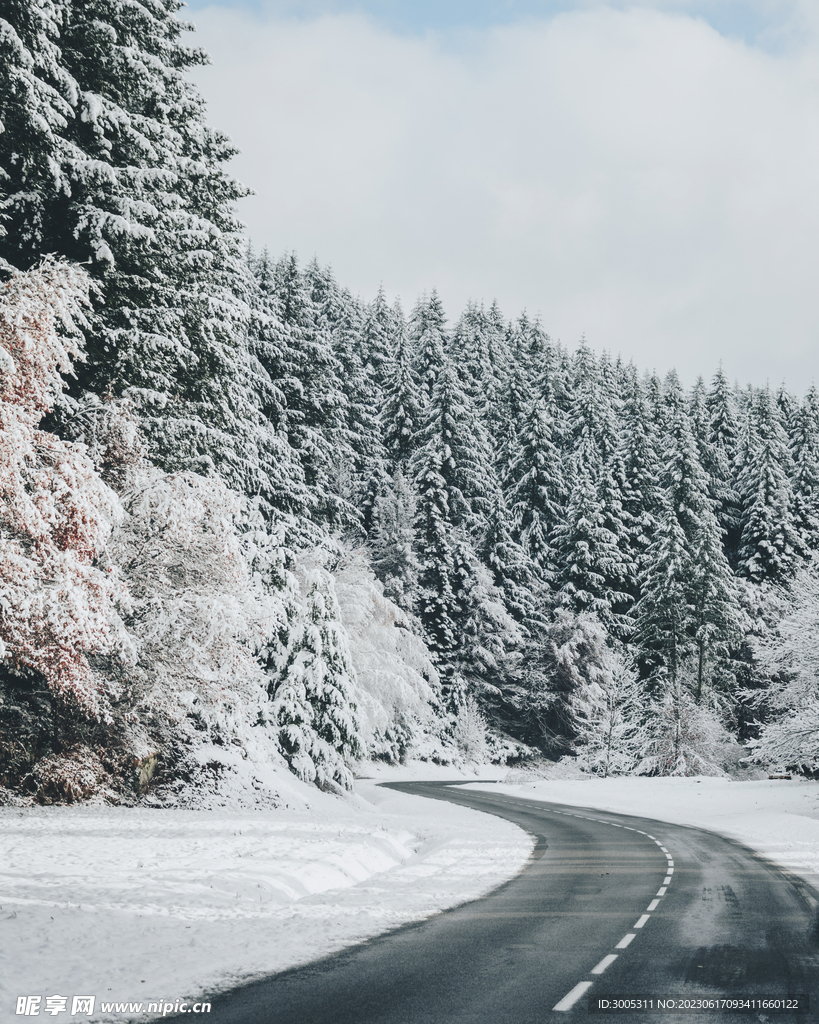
(607,961)
(568,1001)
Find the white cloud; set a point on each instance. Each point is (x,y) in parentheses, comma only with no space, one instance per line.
(632,175)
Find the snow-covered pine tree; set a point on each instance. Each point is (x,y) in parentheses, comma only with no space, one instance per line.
(377,338)
(401,412)
(311,380)
(716,622)
(428,339)
(313,690)
(485,656)
(392,542)
(804,443)
(684,738)
(504,557)
(452,477)
(451,430)
(534,487)
(683,478)
(468,347)
(719,458)
(123,171)
(36,95)
(591,563)
(566,655)
(433,531)
(769,542)
(641,467)
(662,614)
(700,420)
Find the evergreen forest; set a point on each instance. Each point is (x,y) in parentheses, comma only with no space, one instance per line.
(250,519)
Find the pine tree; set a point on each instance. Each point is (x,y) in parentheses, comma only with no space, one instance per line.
(719,459)
(504,557)
(36,94)
(716,623)
(316,402)
(589,557)
(377,339)
(112,163)
(769,542)
(313,691)
(433,530)
(535,488)
(451,435)
(452,477)
(392,542)
(662,614)
(804,444)
(401,412)
(427,331)
(640,462)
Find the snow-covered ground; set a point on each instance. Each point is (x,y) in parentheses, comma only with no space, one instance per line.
(140,905)
(777,818)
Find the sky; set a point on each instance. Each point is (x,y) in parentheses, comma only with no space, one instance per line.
(645,175)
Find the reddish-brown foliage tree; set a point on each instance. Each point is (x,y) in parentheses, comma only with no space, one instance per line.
(58,596)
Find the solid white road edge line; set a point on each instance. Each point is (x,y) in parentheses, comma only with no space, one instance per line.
(568,1001)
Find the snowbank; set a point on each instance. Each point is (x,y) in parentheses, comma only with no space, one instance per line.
(149,904)
(778,818)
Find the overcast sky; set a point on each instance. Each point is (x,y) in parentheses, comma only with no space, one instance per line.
(646,174)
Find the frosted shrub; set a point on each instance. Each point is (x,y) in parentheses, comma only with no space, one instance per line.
(397,683)
(684,737)
(610,713)
(68,778)
(202,613)
(790,653)
(469,732)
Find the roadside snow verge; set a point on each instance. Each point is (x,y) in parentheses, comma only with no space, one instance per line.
(777,818)
(148,905)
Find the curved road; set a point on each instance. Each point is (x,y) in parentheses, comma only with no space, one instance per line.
(608,905)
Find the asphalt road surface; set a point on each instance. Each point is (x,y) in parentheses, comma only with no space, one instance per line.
(608,906)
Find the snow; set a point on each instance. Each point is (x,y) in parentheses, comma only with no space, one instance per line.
(777,818)
(148,904)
